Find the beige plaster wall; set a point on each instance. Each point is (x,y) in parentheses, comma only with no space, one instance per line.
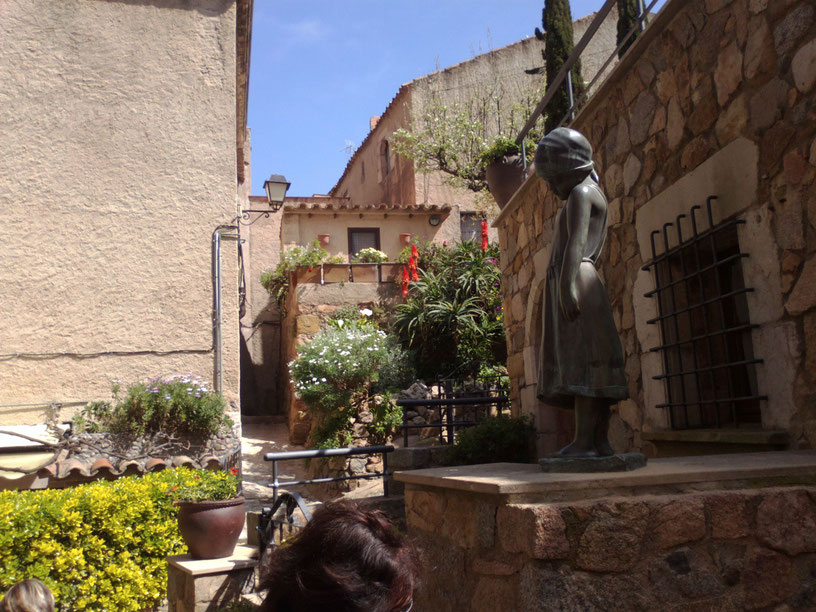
(716,98)
(366,180)
(117,124)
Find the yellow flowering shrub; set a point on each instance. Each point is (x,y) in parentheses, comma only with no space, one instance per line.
(100,546)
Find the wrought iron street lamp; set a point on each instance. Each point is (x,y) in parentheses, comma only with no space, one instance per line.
(276,187)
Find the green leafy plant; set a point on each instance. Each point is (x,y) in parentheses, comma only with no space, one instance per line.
(276,281)
(99,547)
(461,137)
(182,404)
(344,371)
(453,318)
(498,439)
(370,255)
(216,486)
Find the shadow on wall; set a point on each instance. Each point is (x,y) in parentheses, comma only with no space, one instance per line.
(259,378)
(205,7)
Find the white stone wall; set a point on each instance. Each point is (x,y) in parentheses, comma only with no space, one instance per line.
(118,159)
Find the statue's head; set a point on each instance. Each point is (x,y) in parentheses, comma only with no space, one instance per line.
(563,153)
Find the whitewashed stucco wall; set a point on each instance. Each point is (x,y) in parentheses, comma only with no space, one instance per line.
(117,161)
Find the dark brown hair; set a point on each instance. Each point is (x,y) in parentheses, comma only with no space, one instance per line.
(345,560)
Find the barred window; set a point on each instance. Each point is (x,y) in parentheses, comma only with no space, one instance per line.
(706,349)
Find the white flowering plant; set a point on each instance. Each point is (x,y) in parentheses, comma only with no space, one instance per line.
(181,404)
(370,255)
(347,369)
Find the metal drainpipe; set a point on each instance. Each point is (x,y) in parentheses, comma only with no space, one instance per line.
(217,235)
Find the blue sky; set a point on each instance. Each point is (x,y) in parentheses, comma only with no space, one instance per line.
(321,68)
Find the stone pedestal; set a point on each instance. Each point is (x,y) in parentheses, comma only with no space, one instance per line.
(203,585)
(724,532)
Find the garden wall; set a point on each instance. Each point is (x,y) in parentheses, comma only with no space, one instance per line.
(715,98)
(653,539)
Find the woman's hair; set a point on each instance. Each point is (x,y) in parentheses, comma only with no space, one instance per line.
(28,596)
(345,560)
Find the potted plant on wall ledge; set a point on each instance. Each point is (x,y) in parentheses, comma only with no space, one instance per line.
(211,514)
(504,168)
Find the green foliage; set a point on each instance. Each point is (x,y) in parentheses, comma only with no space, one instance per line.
(496,440)
(460,138)
(453,319)
(557,21)
(370,255)
(101,546)
(176,405)
(627,18)
(342,371)
(276,281)
(215,486)
(501,147)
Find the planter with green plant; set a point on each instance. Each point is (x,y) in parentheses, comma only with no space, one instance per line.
(211,514)
(504,168)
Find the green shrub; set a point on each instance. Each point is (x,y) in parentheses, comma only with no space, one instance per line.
(100,546)
(453,317)
(347,368)
(276,281)
(177,405)
(496,440)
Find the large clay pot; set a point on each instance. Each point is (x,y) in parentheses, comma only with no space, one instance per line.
(504,176)
(211,528)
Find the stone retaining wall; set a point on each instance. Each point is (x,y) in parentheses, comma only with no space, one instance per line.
(716,97)
(717,550)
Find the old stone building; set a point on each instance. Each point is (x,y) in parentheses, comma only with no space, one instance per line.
(713,105)
(123,139)
(510,74)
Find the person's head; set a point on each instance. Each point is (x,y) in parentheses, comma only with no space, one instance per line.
(345,560)
(563,158)
(28,596)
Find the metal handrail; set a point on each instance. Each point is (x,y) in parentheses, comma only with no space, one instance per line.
(565,73)
(328,452)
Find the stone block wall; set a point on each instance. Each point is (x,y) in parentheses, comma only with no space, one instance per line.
(713,550)
(719,94)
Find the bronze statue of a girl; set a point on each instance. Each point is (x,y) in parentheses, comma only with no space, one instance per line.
(581,362)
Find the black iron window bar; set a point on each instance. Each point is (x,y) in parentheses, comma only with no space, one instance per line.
(708,362)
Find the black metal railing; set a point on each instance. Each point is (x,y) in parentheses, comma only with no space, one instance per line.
(328,452)
(450,420)
(705,329)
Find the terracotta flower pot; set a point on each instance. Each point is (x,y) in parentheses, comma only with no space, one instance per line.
(504,176)
(211,528)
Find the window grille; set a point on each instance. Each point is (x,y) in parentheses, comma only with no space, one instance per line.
(360,238)
(470,226)
(708,361)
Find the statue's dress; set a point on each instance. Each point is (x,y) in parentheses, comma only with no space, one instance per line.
(584,356)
